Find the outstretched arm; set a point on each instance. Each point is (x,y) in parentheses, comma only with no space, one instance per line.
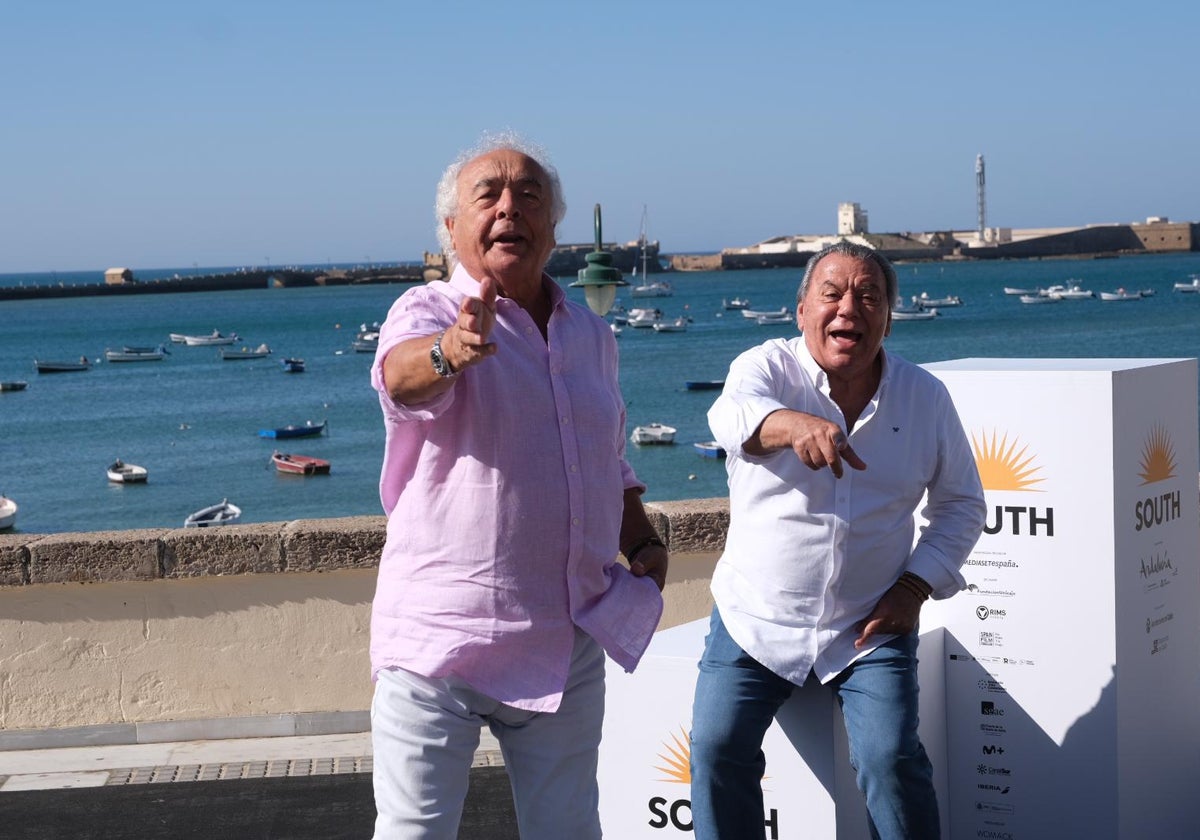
(407,370)
(816,441)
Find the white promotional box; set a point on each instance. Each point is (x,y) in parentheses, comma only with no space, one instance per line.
(809,791)
(1072,675)
(1060,694)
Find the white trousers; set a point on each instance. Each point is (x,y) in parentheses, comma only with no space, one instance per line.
(424,733)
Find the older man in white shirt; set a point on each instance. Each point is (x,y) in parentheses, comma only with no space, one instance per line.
(820,575)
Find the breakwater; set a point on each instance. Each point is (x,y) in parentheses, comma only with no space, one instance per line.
(234,280)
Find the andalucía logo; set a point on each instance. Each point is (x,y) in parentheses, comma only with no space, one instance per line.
(1008,465)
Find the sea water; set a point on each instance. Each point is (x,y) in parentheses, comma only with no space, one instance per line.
(192,419)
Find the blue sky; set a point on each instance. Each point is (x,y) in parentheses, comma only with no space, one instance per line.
(165,134)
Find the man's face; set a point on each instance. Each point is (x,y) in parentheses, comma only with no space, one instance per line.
(503,228)
(845,315)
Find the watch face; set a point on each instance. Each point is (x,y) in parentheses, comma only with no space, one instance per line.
(440,366)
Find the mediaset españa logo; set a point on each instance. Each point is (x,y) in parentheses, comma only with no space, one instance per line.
(1003,465)
(1158,457)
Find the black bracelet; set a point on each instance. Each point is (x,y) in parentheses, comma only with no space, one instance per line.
(635,549)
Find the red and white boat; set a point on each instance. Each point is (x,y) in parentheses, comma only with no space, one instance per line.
(299,464)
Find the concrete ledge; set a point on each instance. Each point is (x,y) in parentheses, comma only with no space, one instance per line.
(317,545)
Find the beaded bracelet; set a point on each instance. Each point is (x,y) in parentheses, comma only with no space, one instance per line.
(915,585)
(637,547)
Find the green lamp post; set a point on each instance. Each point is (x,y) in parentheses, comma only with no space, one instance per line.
(599,279)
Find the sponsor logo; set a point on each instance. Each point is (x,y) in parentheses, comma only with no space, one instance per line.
(992,749)
(1159,645)
(990,639)
(992,728)
(991,593)
(1158,464)
(989,770)
(1153,510)
(1152,623)
(988,684)
(676,759)
(1002,466)
(994,834)
(995,807)
(1005,465)
(1000,789)
(1158,457)
(989,709)
(983,613)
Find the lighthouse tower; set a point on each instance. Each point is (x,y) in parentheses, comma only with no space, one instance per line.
(980,200)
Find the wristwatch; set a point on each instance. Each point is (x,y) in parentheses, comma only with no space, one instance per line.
(441,365)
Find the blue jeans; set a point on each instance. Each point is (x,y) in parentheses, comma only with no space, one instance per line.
(736,701)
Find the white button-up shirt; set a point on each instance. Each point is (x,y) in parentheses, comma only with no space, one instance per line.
(809,555)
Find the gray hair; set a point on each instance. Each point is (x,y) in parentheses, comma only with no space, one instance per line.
(446,204)
(860,252)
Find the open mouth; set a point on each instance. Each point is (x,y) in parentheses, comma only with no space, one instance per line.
(508,239)
(845,336)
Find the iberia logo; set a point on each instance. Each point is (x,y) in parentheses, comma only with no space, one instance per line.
(1158,457)
(1003,465)
(678,759)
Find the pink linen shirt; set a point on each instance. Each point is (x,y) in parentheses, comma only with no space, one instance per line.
(504,499)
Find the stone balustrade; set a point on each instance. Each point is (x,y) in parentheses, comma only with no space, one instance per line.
(253,629)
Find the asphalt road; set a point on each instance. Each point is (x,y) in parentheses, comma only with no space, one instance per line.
(330,807)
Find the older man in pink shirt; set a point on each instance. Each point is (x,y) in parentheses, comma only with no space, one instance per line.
(508,499)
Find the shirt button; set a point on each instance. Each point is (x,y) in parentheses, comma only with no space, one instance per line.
(528,330)
(566,419)
(575,520)
(574,468)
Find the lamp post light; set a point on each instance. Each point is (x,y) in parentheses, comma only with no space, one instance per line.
(599,279)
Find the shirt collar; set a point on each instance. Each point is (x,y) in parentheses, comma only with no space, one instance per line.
(820,380)
(462,280)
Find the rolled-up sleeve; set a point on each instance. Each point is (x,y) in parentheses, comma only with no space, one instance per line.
(954,508)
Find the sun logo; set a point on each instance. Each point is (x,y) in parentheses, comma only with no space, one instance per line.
(1002,466)
(1158,457)
(678,759)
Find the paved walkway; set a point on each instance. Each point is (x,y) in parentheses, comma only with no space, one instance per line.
(271,788)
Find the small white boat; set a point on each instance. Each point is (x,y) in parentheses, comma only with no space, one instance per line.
(925,300)
(676,325)
(136,354)
(919,314)
(1192,286)
(1070,291)
(755,314)
(1039,299)
(121,473)
(225,513)
(781,317)
(653,433)
(45,366)
(654,289)
(215,337)
(259,352)
(1120,294)
(8,513)
(1013,290)
(736,303)
(709,449)
(642,318)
